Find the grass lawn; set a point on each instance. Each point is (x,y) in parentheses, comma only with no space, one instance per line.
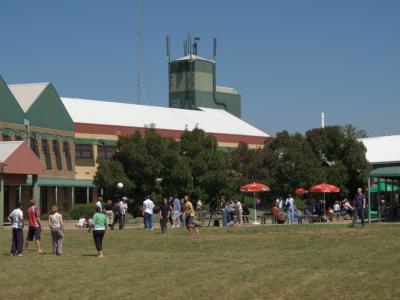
(264,262)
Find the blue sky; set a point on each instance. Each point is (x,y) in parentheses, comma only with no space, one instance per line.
(289,59)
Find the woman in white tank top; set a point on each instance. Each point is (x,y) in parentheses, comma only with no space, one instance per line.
(56,225)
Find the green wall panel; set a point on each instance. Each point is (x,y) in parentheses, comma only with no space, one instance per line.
(48,111)
(10,111)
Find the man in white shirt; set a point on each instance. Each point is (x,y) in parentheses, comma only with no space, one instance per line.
(98,203)
(239,210)
(17,219)
(148,207)
(124,209)
(290,208)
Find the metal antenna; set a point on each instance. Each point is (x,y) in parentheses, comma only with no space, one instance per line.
(214,48)
(168,44)
(195,45)
(190,45)
(138,56)
(185,50)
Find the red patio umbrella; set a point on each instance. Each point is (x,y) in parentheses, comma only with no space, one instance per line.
(253,188)
(324,188)
(301,191)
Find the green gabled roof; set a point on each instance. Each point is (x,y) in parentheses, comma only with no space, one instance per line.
(386,172)
(42,106)
(10,111)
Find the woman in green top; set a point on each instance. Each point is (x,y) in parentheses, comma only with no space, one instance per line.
(99,225)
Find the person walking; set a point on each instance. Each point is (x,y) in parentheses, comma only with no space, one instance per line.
(109,212)
(16,218)
(148,207)
(165,212)
(359,205)
(224,211)
(99,202)
(117,215)
(99,226)
(189,214)
(56,225)
(176,213)
(35,227)
(290,208)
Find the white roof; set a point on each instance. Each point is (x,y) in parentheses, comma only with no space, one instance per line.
(227,90)
(134,115)
(26,94)
(8,148)
(382,149)
(193,57)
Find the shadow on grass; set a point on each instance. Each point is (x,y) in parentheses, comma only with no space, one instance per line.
(90,255)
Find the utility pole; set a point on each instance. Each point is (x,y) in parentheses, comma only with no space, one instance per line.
(138,54)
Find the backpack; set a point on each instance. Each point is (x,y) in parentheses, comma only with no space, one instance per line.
(216,223)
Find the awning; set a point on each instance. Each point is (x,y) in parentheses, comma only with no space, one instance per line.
(383,187)
(62,182)
(18,158)
(386,172)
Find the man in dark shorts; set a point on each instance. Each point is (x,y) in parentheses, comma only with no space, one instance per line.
(35,227)
(359,205)
(165,212)
(189,214)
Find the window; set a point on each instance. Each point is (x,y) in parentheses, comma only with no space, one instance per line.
(34,146)
(56,151)
(84,151)
(105,152)
(66,149)
(67,154)
(56,148)
(6,137)
(46,153)
(45,147)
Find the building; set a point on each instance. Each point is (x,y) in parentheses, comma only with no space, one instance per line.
(192,84)
(382,153)
(68,136)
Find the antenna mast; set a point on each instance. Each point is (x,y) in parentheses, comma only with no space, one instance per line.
(138,56)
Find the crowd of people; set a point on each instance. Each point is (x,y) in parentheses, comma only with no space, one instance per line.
(174,211)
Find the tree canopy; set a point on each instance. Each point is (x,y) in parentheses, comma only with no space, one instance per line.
(151,164)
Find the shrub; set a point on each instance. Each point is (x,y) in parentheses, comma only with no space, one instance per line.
(82,210)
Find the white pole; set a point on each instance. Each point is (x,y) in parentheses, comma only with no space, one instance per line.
(19,193)
(255,210)
(56,194)
(322,120)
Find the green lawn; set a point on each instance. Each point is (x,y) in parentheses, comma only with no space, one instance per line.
(264,262)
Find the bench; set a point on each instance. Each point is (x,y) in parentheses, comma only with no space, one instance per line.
(312,218)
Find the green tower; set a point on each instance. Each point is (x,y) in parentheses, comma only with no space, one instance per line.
(192,83)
